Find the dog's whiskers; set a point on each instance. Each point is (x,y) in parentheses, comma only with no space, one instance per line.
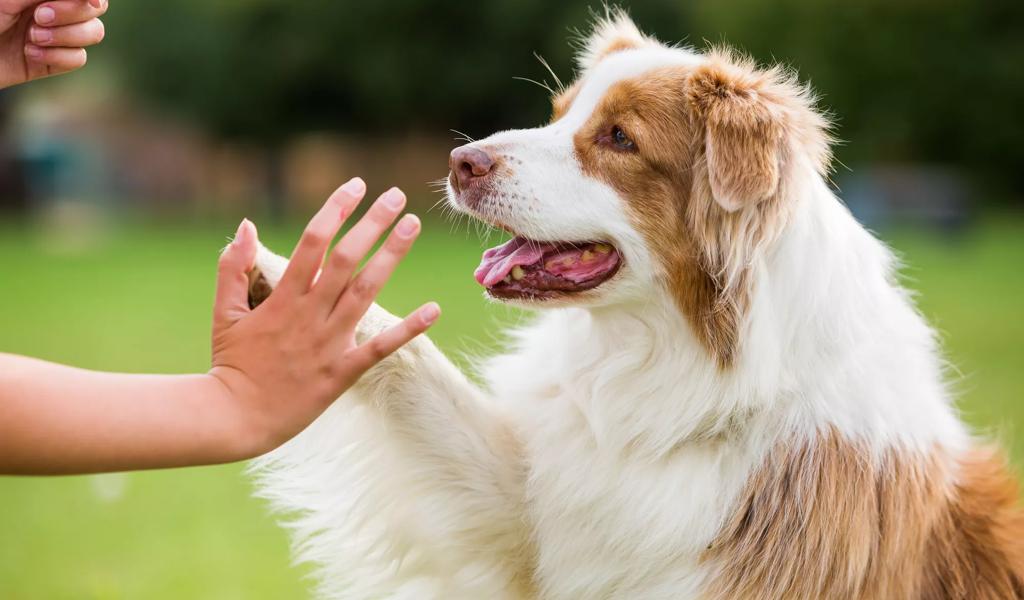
(465,137)
(544,63)
(543,85)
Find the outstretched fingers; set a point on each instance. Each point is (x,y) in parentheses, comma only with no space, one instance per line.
(309,253)
(388,341)
(350,251)
(362,291)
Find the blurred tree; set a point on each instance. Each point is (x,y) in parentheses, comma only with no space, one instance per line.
(924,81)
(13,192)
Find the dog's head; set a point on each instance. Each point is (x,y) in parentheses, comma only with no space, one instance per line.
(662,170)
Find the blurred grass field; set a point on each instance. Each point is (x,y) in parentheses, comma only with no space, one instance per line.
(138,299)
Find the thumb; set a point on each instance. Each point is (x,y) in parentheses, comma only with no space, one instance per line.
(232,299)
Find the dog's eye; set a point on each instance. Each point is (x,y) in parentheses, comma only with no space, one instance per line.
(621,140)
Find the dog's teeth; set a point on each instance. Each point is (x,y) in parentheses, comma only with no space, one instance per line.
(517,273)
(508,279)
(602,248)
(588,256)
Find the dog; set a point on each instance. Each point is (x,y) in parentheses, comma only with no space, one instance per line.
(726,393)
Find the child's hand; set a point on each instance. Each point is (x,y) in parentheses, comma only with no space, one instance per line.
(49,38)
(286,361)
(275,368)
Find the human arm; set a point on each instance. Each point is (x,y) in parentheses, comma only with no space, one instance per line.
(275,369)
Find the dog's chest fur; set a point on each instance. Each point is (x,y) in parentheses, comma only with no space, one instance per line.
(593,514)
(608,516)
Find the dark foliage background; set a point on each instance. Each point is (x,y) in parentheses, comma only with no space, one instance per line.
(927,81)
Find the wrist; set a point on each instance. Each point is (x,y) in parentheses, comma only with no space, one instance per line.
(240,433)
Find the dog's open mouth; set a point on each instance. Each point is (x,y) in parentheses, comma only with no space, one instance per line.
(527,269)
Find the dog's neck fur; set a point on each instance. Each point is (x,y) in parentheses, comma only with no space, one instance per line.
(826,325)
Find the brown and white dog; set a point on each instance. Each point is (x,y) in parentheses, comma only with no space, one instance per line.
(727,395)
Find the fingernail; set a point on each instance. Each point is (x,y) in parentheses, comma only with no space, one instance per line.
(393,199)
(45,15)
(242,234)
(430,313)
(354,186)
(33,51)
(41,36)
(407,226)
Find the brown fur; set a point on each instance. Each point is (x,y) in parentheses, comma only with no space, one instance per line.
(755,127)
(743,140)
(618,45)
(561,102)
(656,182)
(259,288)
(826,519)
(977,547)
(613,33)
(706,182)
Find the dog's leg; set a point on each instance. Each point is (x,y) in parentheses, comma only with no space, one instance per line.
(411,484)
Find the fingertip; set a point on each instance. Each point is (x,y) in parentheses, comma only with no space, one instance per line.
(394,199)
(408,226)
(244,231)
(40,35)
(430,313)
(348,196)
(354,187)
(250,229)
(245,242)
(249,244)
(397,191)
(45,15)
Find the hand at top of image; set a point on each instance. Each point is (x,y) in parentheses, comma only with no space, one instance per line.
(40,39)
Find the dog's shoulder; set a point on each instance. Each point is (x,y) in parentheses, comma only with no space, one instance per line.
(831,519)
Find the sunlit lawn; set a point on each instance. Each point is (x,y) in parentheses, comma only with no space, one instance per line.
(138,300)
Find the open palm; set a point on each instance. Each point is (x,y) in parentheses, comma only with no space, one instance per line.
(39,39)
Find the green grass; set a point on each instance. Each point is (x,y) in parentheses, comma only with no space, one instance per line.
(137,299)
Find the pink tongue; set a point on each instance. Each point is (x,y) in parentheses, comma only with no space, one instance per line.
(498,262)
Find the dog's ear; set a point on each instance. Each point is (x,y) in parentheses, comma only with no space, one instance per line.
(742,131)
(265,275)
(613,32)
(754,122)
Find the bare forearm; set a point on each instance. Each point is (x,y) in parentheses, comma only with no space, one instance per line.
(56,419)
(275,369)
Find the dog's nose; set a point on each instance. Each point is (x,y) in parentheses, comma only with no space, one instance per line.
(469,165)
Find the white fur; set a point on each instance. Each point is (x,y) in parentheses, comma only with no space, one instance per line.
(607,447)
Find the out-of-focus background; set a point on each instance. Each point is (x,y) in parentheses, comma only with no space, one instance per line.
(119,184)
